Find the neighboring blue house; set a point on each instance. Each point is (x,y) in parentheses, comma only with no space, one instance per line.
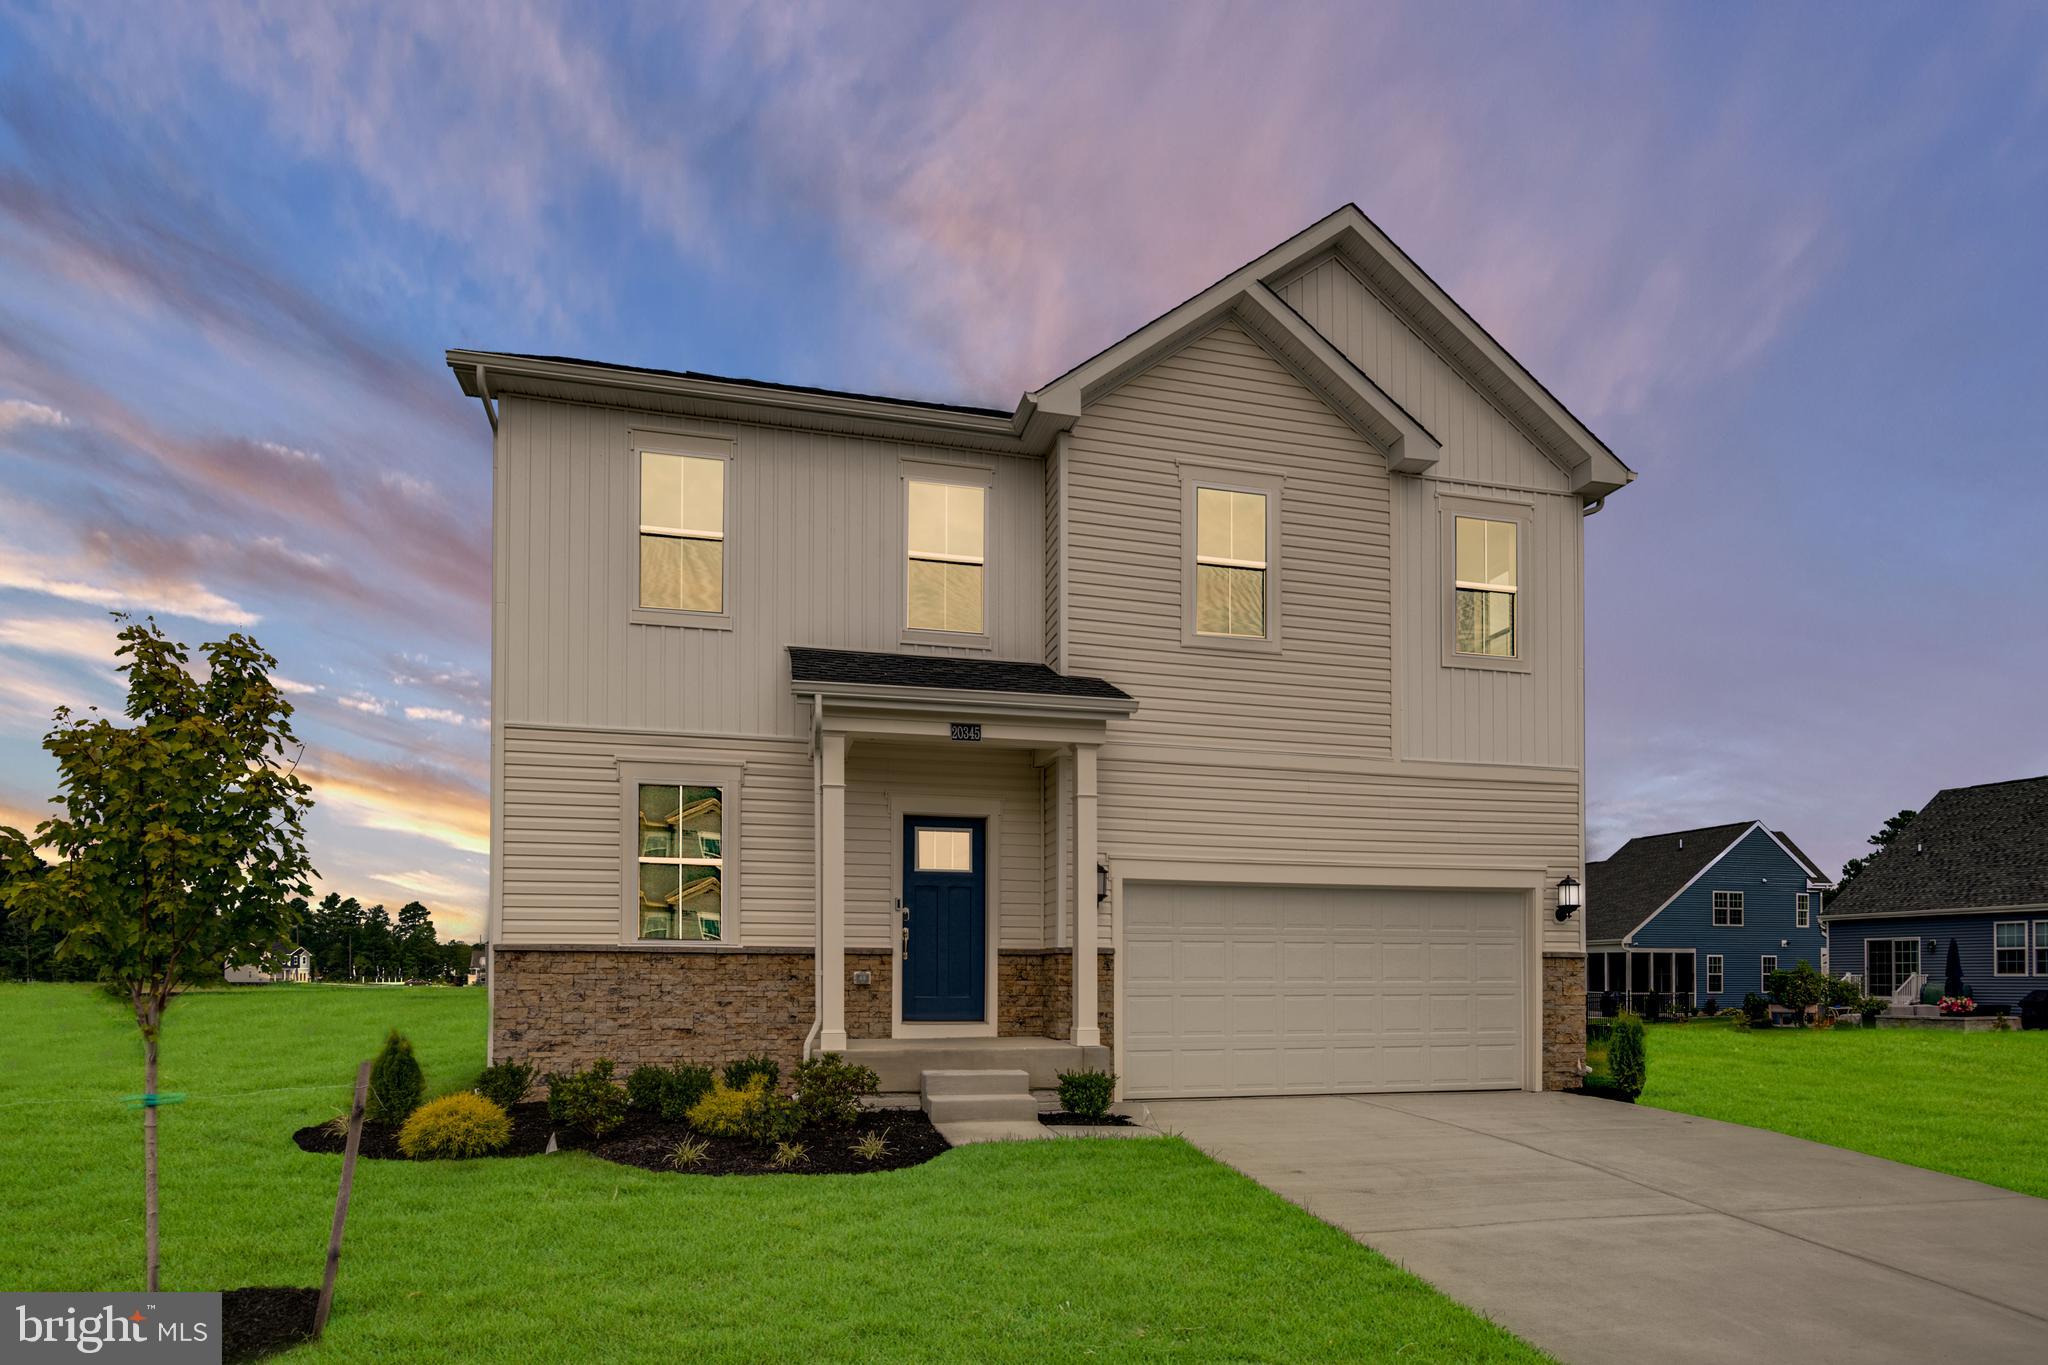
(1972,870)
(1700,914)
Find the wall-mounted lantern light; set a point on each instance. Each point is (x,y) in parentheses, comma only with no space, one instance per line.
(1567,898)
(1101,883)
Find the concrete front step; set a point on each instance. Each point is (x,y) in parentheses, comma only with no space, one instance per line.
(900,1063)
(978,1096)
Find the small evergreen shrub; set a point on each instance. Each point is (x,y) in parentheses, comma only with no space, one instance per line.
(667,1090)
(829,1090)
(1086,1093)
(726,1111)
(738,1073)
(588,1101)
(504,1083)
(1756,1009)
(1627,1062)
(774,1120)
(457,1125)
(397,1085)
(1711,1008)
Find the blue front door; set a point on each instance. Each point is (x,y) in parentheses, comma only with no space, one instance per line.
(945,917)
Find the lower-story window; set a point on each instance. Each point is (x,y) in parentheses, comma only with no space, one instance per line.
(1714,975)
(681,862)
(2009,948)
(2041,947)
(1770,964)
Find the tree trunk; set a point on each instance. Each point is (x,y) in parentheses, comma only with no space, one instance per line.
(149,1201)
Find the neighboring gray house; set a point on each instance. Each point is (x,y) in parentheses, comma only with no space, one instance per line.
(1699,915)
(1970,870)
(1219,706)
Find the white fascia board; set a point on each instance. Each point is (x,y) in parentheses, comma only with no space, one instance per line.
(953,700)
(2022,911)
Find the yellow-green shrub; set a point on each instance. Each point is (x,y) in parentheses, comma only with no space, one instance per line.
(462,1124)
(726,1112)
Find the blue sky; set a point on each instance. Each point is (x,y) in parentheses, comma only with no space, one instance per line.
(1787,260)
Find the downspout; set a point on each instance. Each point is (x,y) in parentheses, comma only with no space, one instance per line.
(817,873)
(1594,506)
(483,394)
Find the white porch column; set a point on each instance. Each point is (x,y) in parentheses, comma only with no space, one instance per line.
(831,958)
(1087,1020)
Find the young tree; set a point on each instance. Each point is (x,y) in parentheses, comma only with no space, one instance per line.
(181,841)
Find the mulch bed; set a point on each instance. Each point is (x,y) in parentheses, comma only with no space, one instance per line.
(1063,1119)
(530,1129)
(256,1322)
(645,1140)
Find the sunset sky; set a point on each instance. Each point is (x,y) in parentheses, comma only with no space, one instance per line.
(1787,261)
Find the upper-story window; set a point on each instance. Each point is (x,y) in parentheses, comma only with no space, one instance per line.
(1230,563)
(682,532)
(1488,582)
(946,577)
(1802,910)
(1728,908)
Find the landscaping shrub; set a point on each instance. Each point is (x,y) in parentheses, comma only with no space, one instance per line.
(669,1091)
(588,1101)
(397,1085)
(725,1110)
(829,1090)
(1086,1093)
(457,1125)
(773,1120)
(1870,1007)
(1711,1008)
(738,1073)
(1627,1062)
(1756,1009)
(504,1083)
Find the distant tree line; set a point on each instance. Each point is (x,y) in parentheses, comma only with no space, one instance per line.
(347,941)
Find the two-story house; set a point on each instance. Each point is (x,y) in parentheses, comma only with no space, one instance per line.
(1216,713)
(1699,915)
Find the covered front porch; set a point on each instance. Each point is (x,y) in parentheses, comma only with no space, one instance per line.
(959,921)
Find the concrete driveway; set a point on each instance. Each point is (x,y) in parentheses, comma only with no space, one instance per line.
(1608,1233)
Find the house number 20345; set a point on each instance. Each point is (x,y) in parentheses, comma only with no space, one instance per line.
(967,731)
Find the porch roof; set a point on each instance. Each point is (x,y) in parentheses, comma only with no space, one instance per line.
(859,675)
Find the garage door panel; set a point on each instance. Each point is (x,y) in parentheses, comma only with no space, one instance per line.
(1259,990)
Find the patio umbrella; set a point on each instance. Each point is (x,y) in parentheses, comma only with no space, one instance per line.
(1952,971)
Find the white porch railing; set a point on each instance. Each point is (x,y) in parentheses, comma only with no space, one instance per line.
(1908,992)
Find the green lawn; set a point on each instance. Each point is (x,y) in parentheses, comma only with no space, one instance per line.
(1006,1252)
(1970,1104)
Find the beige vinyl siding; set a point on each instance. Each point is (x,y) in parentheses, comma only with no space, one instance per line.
(1053,522)
(1479,442)
(814,552)
(877,773)
(564,823)
(1222,402)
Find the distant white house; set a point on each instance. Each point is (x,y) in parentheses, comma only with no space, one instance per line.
(293,964)
(479,965)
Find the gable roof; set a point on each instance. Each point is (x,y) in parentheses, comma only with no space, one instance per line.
(1799,854)
(837,668)
(1640,878)
(1246,294)
(1971,847)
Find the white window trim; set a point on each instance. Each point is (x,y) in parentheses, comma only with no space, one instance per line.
(729,778)
(1735,910)
(1449,508)
(1193,478)
(2025,949)
(1802,911)
(1764,973)
(1716,976)
(966,476)
(643,441)
(2038,958)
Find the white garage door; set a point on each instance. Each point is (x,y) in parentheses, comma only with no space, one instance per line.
(1251,990)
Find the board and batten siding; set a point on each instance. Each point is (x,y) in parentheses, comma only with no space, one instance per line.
(1289,756)
(1465,715)
(814,549)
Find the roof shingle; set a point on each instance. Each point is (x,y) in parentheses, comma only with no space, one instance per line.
(943,671)
(1625,888)
(1971,846)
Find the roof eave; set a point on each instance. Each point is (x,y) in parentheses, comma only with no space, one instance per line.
(890,696)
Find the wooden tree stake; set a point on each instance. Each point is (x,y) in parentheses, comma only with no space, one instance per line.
(348,1179)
